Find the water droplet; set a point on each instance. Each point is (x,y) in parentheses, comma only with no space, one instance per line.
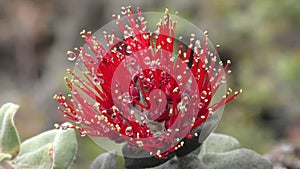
(123,12)
(126,98)
(139,143)
(129,49)
(98,80)
(163,75)
(152,66)
(105,129)
(151,74)
(203,96)
(134,74)
(126,62)
(179,77)
(57,126)
(200,105)
(71,56)
(83,133)
(127,34)
(97,105)
(129,131)
(169,40)
(74,92)
(176,140)
(132,61)
(185,100)
(147,60)
(64,127)
(78,119)
(120,55)
(141,76)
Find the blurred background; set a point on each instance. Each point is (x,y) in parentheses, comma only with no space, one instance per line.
(262,38)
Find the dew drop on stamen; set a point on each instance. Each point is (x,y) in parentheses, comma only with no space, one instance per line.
(97,80)
(152,66)
(127,34)
(64,127)
(126,98)
(129,49)
(71,56)
(169,40)
(141,76)
(74,92)
(223,81)
(185,100)
(132,61)
(123,12)
(147,60)
(105,129)
(57,126)
(78,119)
(83,133)
(120,55)
(163,75)
(96,105)
(129,131)
(151,74)
(176,140)
(200,105)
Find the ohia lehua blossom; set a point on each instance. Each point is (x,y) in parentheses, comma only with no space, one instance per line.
(149,89)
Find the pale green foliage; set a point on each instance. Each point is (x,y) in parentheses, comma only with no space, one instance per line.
(63,144)
(53,149)
(9,137)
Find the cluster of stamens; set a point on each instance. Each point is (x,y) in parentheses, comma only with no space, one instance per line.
(163,89)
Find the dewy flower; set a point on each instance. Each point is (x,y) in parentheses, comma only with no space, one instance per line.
(146,88)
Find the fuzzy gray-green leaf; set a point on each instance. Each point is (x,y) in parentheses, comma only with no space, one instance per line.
(41,158)
(64,143)
(224,152)
(9,137)
(105,161)
(217,143)
(236,159)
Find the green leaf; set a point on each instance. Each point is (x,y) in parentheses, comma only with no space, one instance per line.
(236,159)
(64,145)
(220,151)
(105,161)
(190,161)
(41,158)
(217,143)
(9,137)
(4,156)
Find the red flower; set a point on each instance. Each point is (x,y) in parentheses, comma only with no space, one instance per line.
(148,88)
